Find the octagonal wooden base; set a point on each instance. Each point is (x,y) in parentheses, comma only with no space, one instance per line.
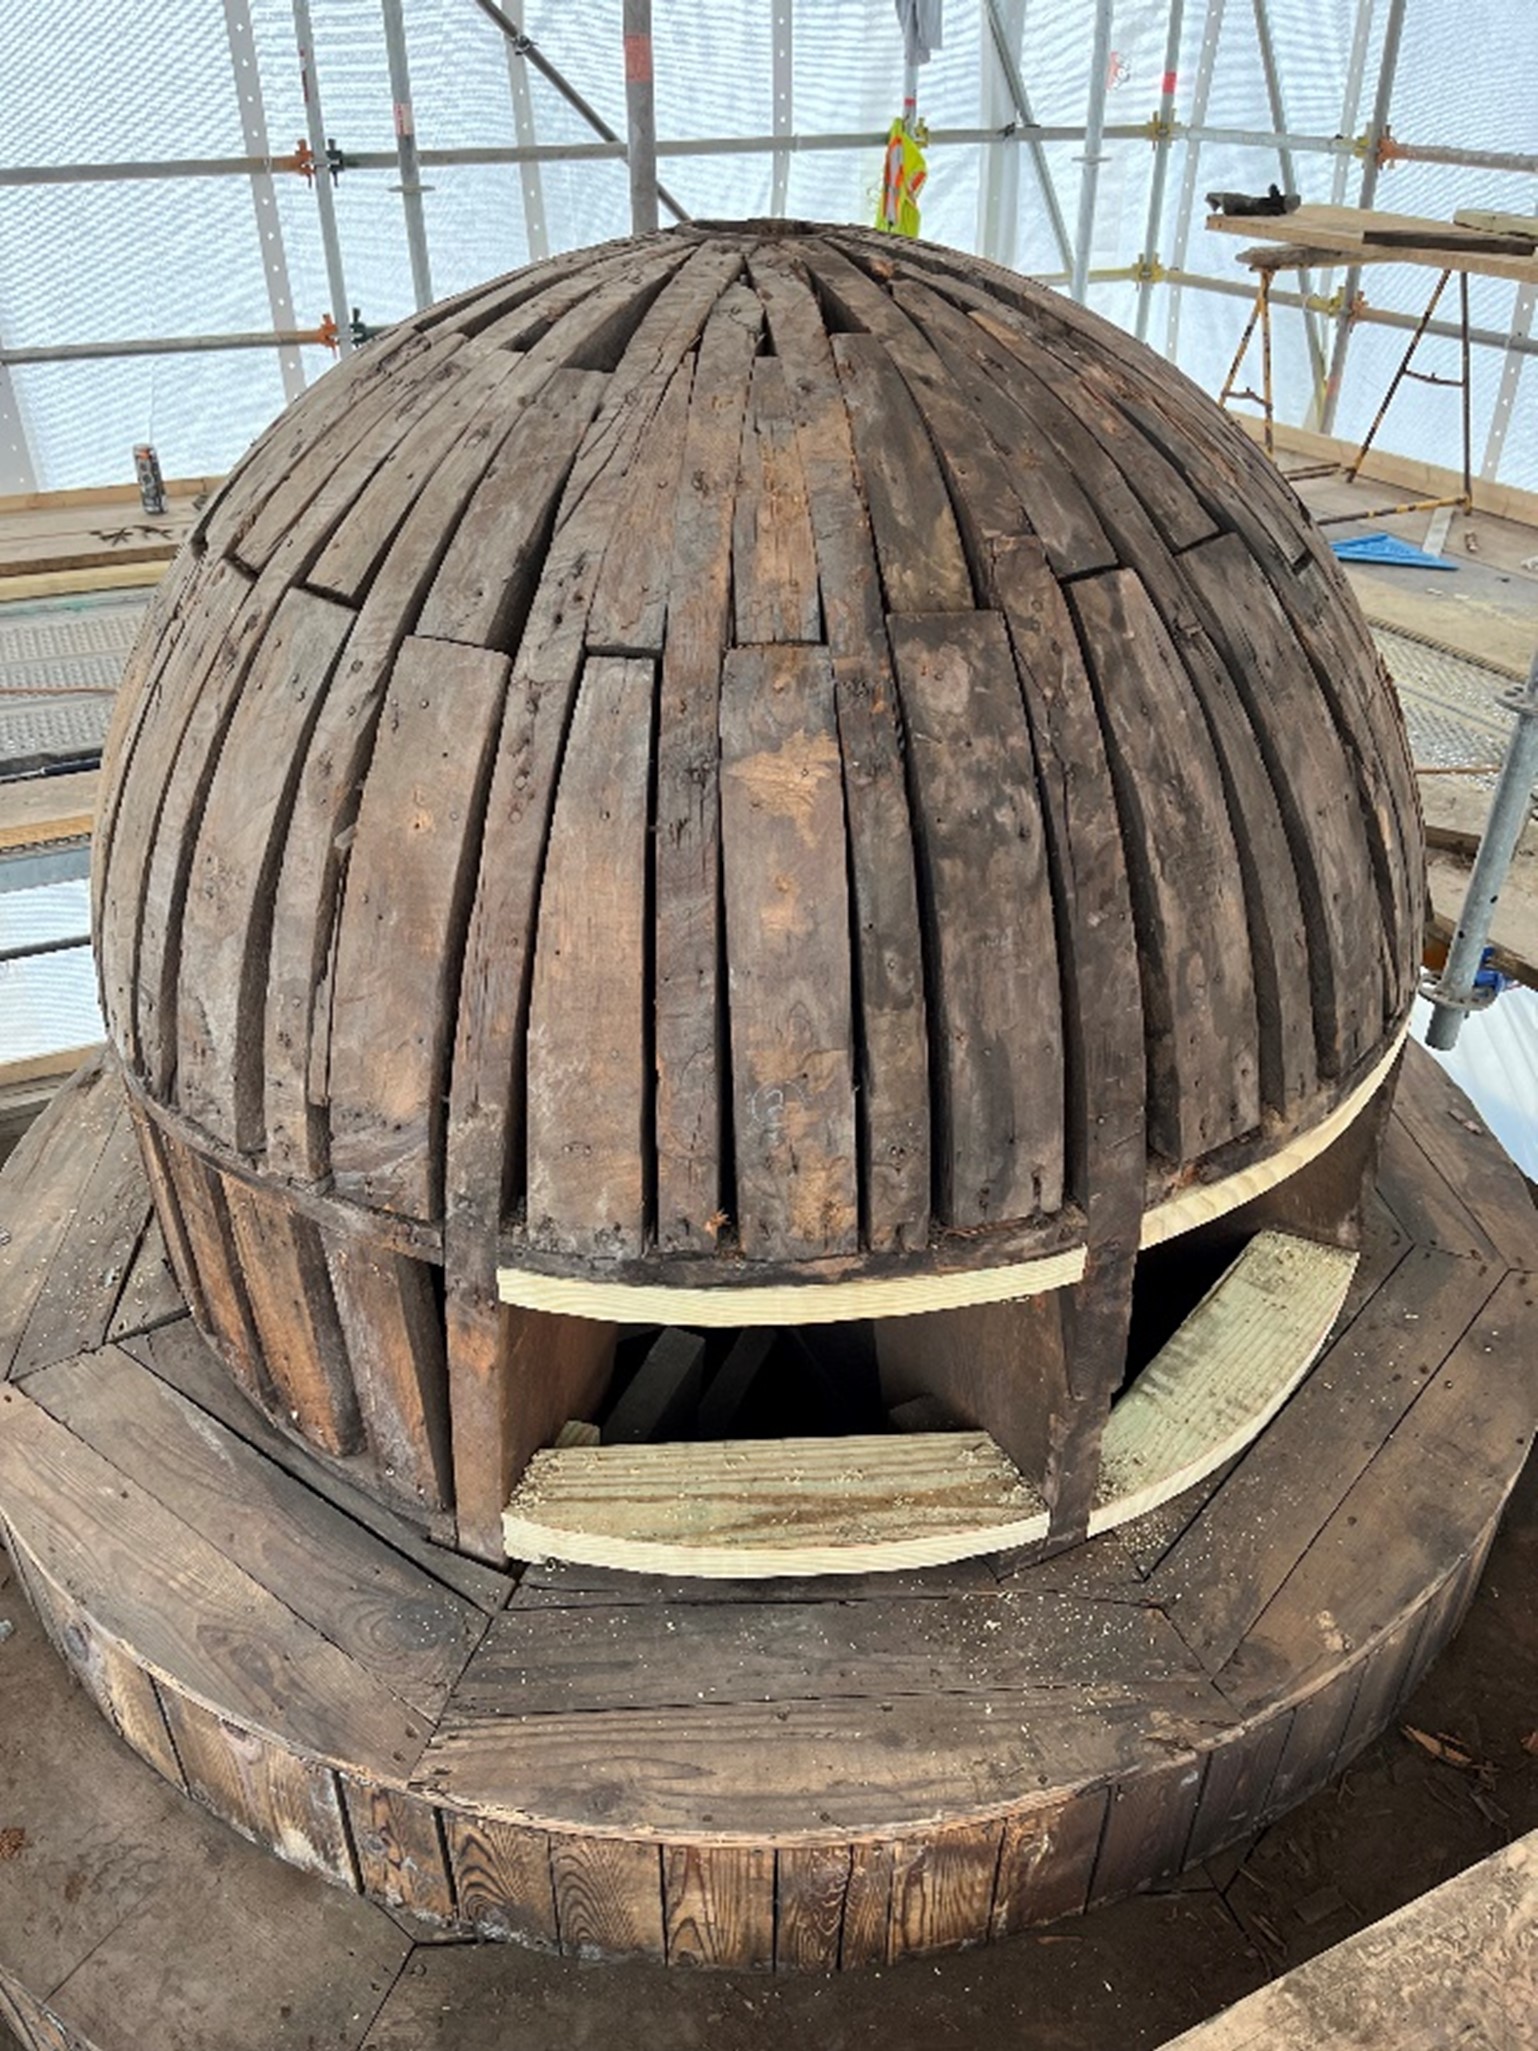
(784,1774)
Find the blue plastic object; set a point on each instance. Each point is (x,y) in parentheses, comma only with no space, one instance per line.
(1386,548)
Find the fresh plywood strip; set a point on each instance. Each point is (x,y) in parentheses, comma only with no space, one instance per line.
(1224,1375)
(774,1506)
(851,1505)
(859,1296)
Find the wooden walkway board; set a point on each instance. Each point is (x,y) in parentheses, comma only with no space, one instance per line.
(806,1772)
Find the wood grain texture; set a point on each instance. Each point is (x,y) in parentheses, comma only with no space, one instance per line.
(116,1550)
(400,1853)
(608,1897)
(774,558)
(391,1321)
(851,1758)
(283,1272)
(589,1090)
(787,937)
(220,1006)
(718,1905)
(261,1790)
(503,1879)
(1198,994)
(381,1610)
(688,889)
(988,919)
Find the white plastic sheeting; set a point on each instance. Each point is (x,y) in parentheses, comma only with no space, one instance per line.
(88,82)
(1495,1064)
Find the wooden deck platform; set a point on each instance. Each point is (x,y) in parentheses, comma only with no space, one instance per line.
(787,1774)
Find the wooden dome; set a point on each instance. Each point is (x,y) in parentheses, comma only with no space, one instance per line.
(752,755)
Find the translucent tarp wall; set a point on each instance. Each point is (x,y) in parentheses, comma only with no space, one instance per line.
(85,83)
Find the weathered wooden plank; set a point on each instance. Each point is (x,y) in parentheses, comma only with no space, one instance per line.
(378,1608)
(1278,937)
(774,1506)
(485,581)
(283,1267)
(391,1321)
(221,1289)
(867,1906)
(403,913)
(399,1852)
(1423,1203)
(151,1293)
(979,435)
(1104,1146)
(168,1214)
(325,800)
(609,1655)
(892,1041)
(1385,1669)
(857,1768)
(147,1578)
(492,1431)
(1147,1826)
(41,1189)
(221,992)
(689,998)
(262,1790)
(93,1216)
(788,955)
(331,446)
(472,407)
(662,344)
(718,1905)
(942,1889)
(1314,1733)
(1046,1858)
(1314,786)
(116,1683)
(987,905)
(608,1897)
(178,1355)
(1198,995)
(629,608)
(588,1082)
(1427,1496)
(502,1878)
(1235,1556)
(1236,1787)
(810,1884)
(923,566)
(774,559)
(1454,1966)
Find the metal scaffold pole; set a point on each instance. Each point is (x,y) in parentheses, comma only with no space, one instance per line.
(325,199)
(406,152)
(1453,994)
(641,117)
(1383,100)
(1094,139)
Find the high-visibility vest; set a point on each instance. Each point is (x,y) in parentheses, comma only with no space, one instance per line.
(903,173)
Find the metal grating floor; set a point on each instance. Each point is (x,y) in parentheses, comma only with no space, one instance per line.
(1451,704)
(60,661)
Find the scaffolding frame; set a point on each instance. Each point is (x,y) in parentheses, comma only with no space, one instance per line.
(1011,127)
